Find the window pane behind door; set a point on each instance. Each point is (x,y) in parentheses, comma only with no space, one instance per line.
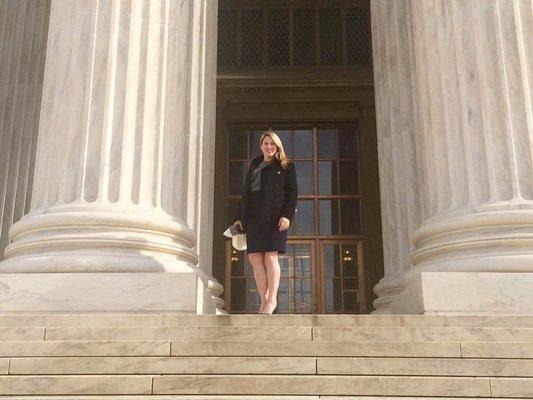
(327,143)
(348,177)
(253,300)
(333,295)
(348,147)
(283,295)
(237,143)
(303,143)
(350,217)
(236,175)
(304,219)
(350,302)
(233,209)
(340,263)
(302,261)
(332,261)
(327,177)
(349,260)
(237,263)
(304,176)
(286,261)
(329,217)
(238,288)
(302,296)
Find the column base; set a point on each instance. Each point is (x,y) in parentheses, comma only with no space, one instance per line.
(467,293)
(108,292)
(387,289)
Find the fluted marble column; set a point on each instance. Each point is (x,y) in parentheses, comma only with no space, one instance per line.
(472,65)
(23,33)
(123,167)
(395,118)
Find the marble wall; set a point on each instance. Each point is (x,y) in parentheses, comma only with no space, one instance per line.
(23,33)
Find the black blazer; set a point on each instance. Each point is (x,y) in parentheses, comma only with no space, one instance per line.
(279,192)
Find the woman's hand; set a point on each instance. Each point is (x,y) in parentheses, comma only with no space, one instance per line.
(283,223)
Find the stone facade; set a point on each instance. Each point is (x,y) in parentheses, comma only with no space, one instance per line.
(121,206)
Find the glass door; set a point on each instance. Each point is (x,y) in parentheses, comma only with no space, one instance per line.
(296,289)
(342,277)
(296,285)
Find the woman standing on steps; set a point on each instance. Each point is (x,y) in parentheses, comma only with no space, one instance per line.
(267,210)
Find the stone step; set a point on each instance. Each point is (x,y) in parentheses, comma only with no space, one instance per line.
(174,319)
(267,366)
(321,385)
(245,397)
(281,357)
(245,333)
(374,333)
(264,384)
(361,398)
(75,384)
(84,348)
(213,397)
(281,333)
(356,349)
(267,385)
(316,348)
(275,348)
(497,350)
(4,366)
(21,333)
(341,385)
(424,366)
(241,348)
(161,365)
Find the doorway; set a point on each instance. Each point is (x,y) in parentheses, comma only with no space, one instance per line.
(305,69)
(323,268)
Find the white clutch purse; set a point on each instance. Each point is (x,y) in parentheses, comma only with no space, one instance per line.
(238,240)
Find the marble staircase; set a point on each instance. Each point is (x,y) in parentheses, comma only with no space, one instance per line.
(171,356)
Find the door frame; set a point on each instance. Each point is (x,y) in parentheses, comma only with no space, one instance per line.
(368,239)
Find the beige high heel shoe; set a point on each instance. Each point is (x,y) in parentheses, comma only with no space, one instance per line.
(274,311)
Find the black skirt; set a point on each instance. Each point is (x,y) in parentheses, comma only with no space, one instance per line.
(261,235)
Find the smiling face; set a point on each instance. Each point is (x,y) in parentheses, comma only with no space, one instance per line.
(268,147)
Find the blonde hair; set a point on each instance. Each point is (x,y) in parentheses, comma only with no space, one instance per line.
(280,154)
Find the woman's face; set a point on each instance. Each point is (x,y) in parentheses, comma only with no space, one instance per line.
(268,147)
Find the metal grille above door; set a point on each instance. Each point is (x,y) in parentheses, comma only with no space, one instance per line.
(330,35)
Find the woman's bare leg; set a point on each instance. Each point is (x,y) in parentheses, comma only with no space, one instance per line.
(273,272)
(260,275)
